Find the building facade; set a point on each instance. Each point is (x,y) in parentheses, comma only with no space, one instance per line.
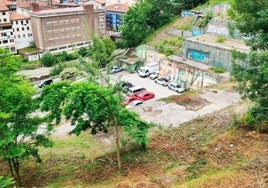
(65,29)
(7,40)
(114,17)
(22,30)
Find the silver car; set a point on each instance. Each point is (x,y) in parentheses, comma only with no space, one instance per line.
(176,87)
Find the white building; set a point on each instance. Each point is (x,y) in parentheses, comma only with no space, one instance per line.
(22,30)
(6,33)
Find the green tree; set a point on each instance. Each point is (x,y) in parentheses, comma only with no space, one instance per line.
(49,60)
(18,128)
(101,51)
(143,18)
(252,75)
(91,106)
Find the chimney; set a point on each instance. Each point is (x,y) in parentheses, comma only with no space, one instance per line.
(34,7)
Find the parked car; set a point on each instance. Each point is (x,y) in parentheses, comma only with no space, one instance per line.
(116,68)
(135,90)
(45,82)
(126,85)
(134,104)
(130,99)
(145,95)
(176,87)
(163,81)
(154,75)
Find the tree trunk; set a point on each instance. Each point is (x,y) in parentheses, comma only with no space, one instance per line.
(116,130)
(10,167)
(17,171)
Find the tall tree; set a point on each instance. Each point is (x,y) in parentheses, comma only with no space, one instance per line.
(91,106)
(18,129)
(252,20)
(143,18)
(101,51)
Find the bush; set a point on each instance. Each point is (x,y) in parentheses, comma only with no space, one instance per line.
(83,51)
(69,73)
(217,69)
(57,69)
(49,60)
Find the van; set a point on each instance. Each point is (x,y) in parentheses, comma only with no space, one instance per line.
(135,90)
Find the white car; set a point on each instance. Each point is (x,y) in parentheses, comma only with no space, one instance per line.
(163,81)
(116,69)
(134,104)
(154,75)
(176,87)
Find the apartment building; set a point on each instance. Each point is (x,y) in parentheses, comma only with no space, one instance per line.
(22,30)
(114,16)
(65,29)
(6,33)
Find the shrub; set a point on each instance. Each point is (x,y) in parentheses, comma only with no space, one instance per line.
(49,60)
(217,69)
(69,73)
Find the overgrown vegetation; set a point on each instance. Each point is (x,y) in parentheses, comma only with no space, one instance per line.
(170,46)
(217,69)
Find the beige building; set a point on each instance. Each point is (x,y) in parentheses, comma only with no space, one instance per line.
(65,29)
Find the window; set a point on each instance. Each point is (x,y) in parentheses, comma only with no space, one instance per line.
(5,20)
(21,22)
(27,21)
(24,35)
(18,29)
(22,28)
(17,22)
(29,34)
(18,36)
(4,13)
(28,28)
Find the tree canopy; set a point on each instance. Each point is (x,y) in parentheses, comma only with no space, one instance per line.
(252,75)
(143,18)
(93,107)
(19,138)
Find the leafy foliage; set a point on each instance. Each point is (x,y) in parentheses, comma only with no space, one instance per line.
(101,51)
(252,74)
(143,18)
(49,60)
(18,129)
(6,182)
(252,18)
(89,106)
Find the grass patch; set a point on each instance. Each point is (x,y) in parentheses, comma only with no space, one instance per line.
(217,69)
(220,178)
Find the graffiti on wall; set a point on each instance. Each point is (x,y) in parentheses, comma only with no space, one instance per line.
(197,55)
(197,32)
(185,13)
(218,29)
(195,78)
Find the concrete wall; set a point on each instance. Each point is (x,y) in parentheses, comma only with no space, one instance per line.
(207,54)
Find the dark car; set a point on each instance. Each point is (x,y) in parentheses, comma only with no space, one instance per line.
(45,82)
(126,85)
(163,81)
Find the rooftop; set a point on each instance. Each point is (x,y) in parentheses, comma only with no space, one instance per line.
(16,16)
(228,43)
(117,8)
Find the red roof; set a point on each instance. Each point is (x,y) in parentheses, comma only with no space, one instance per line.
(100,1)
(15,16)
(6,2)
(3,8)
(117,8)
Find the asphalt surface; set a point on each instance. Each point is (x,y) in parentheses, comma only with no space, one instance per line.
(170,114)
(157,111)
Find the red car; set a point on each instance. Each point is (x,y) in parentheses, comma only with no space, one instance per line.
(145,95)
(130,99)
